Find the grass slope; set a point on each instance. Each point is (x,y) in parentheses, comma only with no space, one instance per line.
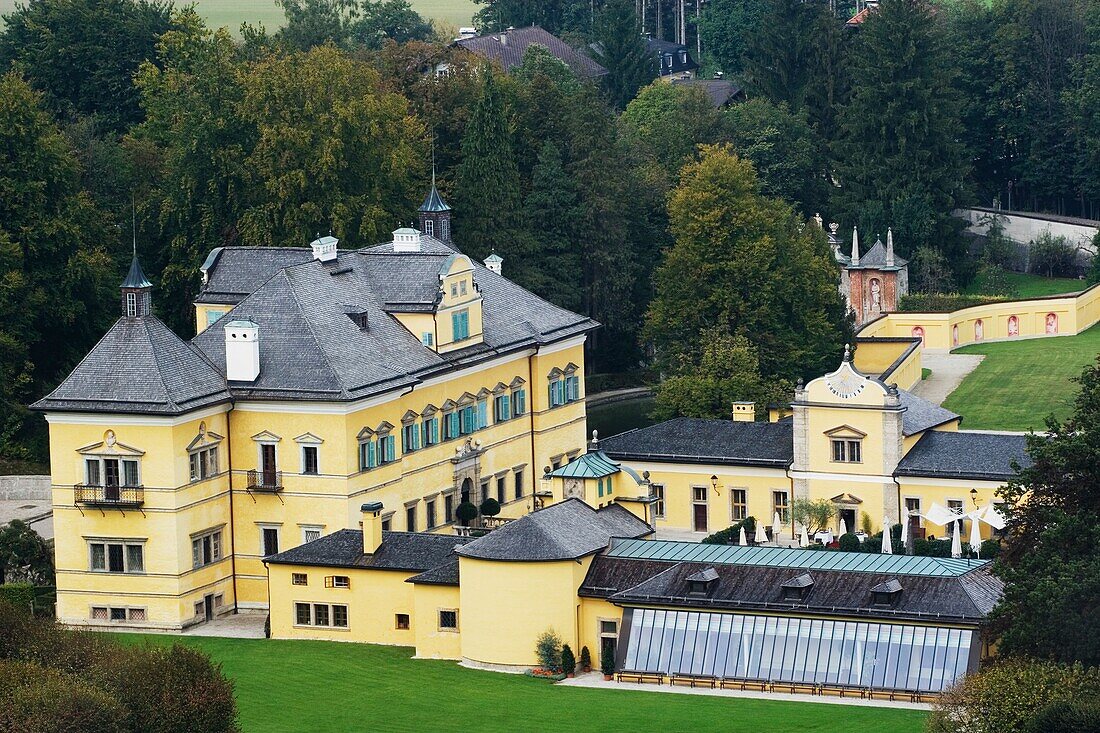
(1037,286)
(1019,383)
(232,13)
(329,686)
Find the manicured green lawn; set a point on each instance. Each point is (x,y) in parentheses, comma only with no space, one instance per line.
(1019,383)
(330,686)
(1037,286)
(232,13)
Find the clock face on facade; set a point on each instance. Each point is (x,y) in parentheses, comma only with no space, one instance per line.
(845,384)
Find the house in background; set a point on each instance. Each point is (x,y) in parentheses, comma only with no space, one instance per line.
(509,47)
(722,92)
(673,59)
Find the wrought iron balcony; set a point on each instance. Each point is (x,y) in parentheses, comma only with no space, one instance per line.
(265,481)
(103,496)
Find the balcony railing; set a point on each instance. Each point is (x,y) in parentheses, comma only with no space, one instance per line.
(120,496)
(266,481)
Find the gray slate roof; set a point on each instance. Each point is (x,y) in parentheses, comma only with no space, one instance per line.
(311,349)
(624,581)
(233,273)
(139,366)
(565,531)
(720,91)
(965,455)
(698,440)
(445,574)
(407,551)
(920,414)
(510,53)
(873,259)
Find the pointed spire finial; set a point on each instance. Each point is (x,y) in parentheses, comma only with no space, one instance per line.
(855,246)
(889,246)
(133,213)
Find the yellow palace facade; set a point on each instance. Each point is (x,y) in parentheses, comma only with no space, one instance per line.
(320,379)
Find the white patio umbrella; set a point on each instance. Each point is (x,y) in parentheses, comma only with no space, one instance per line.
(843,527)
(887,545)
(905,529)
(956,541)
(804,540)
(776,524)
(940,515)
(975,538)
(741,538)
(994,518)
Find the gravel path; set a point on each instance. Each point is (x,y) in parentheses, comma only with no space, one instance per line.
(948,371)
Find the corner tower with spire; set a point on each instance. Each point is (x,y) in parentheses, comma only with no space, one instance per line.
(137,298)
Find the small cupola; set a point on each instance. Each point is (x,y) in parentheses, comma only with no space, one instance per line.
(435,215)
(406,239)
(137,298)
(886,594)
(324,248)
(493,262)
(702,582)
(797,588)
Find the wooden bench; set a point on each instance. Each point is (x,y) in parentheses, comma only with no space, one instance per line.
(693,680)
(633,675)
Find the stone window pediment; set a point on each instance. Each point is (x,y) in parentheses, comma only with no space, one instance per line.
(384,427)
(308,439)
(483,393)
(517,383)
(110,446)
(205,439)
(501,388)
(409,417)
(845,431)
(266,436)
(448,406)
(555,373)
(467,399)
(365,434)
(429,410)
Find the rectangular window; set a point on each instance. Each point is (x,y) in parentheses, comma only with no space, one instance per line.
(448,508)
(340,617)
(269,543)
(410,438)
(658,492)
(302,614)
(780,505)
(502,490)
(387,448)
(204,463)
(131,304)
(130,473)
(482,414)
(448,619)
(92,476)
(310,533)
(557,392)
(502,408)
(847,451)
(309,459)
(468,419)
(401,621)
(212,317)
(450,426)
(519,402)
(410,518)
(337,581)
(599,487)
(431,431)
(429,227)
(117,557)
(519,484)
(462,287)
(572,388)
(320,614)
(118,614)
(135,614)
(427,338)
(699,493)
(460,323)
(299,579)
(738,504)
(430,513)
(206,549)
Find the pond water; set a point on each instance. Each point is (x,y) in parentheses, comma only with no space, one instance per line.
(618,417)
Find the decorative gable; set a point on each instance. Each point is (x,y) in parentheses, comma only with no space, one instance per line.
(308,439)
(266,436)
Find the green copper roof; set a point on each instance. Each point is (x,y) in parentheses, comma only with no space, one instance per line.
(591,465)
(135,278)
(786,557)
(434,203)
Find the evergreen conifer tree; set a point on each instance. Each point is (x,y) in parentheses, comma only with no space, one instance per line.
(622,52)
(487,189)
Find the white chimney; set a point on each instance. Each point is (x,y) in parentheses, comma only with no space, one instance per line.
(242,351)
(324,249)
(406,239)
(494,262)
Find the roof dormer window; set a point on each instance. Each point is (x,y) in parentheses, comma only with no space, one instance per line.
(702,582)
(797,588)
(886,594)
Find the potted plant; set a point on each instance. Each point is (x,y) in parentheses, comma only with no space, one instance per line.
(586,660)
(568,661)
(548,650)
(489,508)
(607,666)
(466,512)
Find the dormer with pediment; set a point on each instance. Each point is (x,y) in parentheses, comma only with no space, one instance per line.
(847,423)
(458,314)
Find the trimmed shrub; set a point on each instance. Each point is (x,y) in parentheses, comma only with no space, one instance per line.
(941,302)
(586,658)
(490,507)
(607,663)
(568,661)
(466,512)
(1067,717)
(19,595)
(1006,696)
(35,698)
(732,534)
(990,549)
(849,543)
(548,649)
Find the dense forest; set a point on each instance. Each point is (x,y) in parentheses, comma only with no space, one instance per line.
(637,203)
